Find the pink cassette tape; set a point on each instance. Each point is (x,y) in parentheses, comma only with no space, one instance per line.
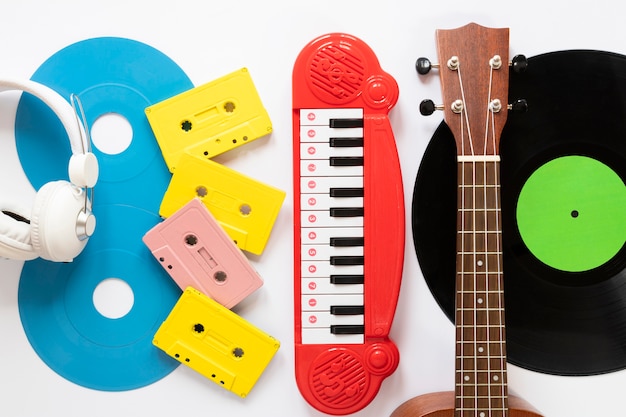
(195,250)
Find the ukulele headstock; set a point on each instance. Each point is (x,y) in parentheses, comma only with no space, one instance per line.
(474,72)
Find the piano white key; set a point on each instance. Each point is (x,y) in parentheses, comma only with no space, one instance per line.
(322,185)
(322,235)
(322,302)
(320,269)
(323,319)
(322,168)
(322,134)
(324,252)
(323,286)
(324,202)
(312,336)
(323,151)
(322,117)
(323,219)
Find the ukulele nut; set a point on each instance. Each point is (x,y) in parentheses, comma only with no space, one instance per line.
(495,62)
(457,106)
(453,63)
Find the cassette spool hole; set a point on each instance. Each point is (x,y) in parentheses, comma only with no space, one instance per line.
(111,133)
(113,298)
(238,352)
(191,240)
(198,328)
(229,106)
(245,209)
(186,125)
(220,276)
(201,191)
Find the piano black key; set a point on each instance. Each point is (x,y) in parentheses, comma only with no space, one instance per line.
(346,241)
(346,211)
(347,310)
(346,260)
(346,192)
(346,161)
(345,123)
(347,329)
(346,142)
(346,279)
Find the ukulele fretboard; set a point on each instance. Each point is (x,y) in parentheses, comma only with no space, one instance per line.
(480,351)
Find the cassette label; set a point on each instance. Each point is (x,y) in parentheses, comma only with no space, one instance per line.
(217,343)
(244,207)
(210,119)
(196,251)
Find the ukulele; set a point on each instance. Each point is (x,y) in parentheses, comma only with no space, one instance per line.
(474,79)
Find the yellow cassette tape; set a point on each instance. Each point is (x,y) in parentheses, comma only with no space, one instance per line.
(244,207)
(210,119)
(209,338)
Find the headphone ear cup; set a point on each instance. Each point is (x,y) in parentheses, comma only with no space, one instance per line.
(15,236)
(54,220)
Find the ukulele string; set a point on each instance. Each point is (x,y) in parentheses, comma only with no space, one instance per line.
(462,377)
(488,307)
(500,290)
(498,251)
(466,128)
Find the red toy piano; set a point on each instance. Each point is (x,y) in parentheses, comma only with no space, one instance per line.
(348,224)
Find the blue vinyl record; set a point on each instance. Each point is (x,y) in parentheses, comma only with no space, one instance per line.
(67,331)
(110,75)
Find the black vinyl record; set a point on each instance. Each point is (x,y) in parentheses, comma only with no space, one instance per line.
(565,308)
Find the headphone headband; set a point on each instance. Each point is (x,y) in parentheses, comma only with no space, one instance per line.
(83,166)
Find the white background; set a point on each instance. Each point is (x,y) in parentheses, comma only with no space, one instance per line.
(209,39)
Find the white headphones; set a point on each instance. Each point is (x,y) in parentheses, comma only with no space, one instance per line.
(60,222)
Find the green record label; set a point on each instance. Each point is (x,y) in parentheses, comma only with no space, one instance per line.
(571,213)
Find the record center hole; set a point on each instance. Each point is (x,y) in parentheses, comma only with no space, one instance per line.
(111,133)
(574,213)
(113,298)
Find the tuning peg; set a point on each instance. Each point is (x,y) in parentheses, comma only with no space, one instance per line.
(423,66)
(518,106)
(519,63)
(428,107)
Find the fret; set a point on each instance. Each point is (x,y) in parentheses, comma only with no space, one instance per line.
(481,253)
(474,232)
(482,323)
(479,242)
(479,219)
(478,173)
(478,185)
(486,365)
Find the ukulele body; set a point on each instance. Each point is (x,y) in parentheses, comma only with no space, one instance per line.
(441,404)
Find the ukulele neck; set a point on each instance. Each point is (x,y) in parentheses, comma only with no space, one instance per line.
(480,334)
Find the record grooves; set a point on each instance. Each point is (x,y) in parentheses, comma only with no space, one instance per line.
(559,321)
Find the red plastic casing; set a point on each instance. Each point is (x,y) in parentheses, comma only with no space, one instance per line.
(341,71)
